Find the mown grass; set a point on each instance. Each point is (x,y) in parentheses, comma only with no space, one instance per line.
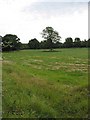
(0,84)
(39,84)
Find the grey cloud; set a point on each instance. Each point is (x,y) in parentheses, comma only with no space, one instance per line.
(55,8)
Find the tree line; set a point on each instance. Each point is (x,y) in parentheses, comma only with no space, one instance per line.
(51,41)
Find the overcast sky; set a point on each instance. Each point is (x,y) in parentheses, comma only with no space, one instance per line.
(27,18)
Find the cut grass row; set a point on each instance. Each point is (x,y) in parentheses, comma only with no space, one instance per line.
(32,89)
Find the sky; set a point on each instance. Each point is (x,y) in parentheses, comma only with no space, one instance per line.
(27,18)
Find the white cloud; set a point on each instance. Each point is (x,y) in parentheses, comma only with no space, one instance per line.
(29,23)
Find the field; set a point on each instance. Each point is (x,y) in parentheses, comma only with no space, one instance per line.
(42,84)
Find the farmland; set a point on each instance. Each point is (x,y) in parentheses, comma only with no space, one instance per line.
(42,84)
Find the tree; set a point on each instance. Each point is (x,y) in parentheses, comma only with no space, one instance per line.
(88,42)
(43,44)
(0,43)
(68,42)
(77,42)
(10,42)
(51,36)
(58,45)
(33,44)
(24,46)
(84,43)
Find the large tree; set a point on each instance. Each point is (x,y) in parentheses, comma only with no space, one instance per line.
(10,42)
(51,36)
(33,44)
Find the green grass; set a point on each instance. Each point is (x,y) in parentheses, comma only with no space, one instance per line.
(39,84)
(0,83)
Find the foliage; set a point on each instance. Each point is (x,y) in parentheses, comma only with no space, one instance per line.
(84,43)
(77,42)
(24,46)
(51,40)
(10,42)
(68,42)
(33,44)
(0,43)
(88,43)
(43,44)
(51,36)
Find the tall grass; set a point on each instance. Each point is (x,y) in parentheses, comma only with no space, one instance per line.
(39,84)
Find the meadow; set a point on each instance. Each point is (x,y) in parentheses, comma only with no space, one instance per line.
(42,84)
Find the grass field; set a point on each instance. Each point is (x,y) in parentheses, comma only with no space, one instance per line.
(39,84)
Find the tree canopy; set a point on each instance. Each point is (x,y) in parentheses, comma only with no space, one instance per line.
(10,42)
(33,43)
(77,42)
(51,40)
(51,36)
(68,42)
(0,43)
